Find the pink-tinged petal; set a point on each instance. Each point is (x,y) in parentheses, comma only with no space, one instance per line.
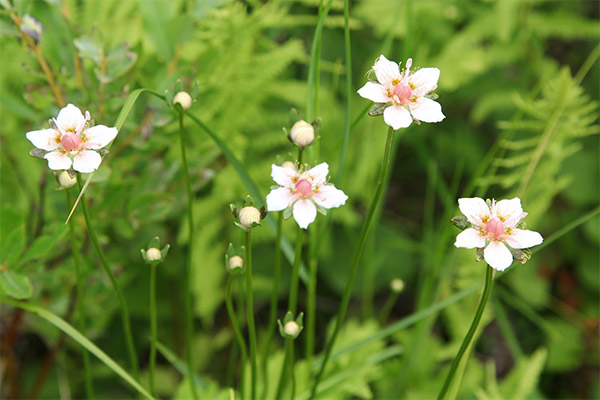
(45,139)
(70,118)
(498,256)
(386,71)
(86,161)
(318,174)
(330,197)
(283,175)
(510,211)
(426,110)
(58,160)
(397,117)
(99,136)
(304,213)
(475,209)
(470,238)
(279,199)
(426,78)
(523,238)
(374,92)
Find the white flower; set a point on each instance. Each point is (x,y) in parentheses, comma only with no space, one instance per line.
(407,92)
(303,191)
(71,141)
(495,226)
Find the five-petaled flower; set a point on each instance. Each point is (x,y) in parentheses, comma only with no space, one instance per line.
(71,141)
(406,94)
(495,224)
(304,191)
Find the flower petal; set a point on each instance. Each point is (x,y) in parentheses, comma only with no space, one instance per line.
(475,209)
(523,238)
(386,71)
(397,117)
(58,160)
(99,136)
(470,238)
(86,161)
(283,175)
(498,256)
(70,118)
(425,79)
(330,197)
(279,199)
(304,213)
(374,92)
(318,174)
(426,110)
(45,139)
(510,211)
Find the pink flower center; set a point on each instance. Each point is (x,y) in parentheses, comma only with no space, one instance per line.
(304,189)
(494,229)
(70,141)
(401,93)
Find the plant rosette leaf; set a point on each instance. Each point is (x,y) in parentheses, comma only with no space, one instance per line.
(15,285)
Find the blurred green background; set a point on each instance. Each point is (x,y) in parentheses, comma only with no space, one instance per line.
(519,87)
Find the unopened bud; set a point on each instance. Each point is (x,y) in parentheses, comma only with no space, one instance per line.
(184,100)
(397,285)
(288,164)
(249,216)
(291,328)
(302,133)
(153,254)
(236,262)
(65,180)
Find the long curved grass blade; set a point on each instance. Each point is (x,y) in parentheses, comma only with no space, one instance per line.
(123,114)
(82,340)
(180,365)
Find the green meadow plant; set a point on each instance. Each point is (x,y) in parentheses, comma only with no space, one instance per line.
(369,299)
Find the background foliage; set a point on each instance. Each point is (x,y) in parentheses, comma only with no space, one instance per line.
(519,87)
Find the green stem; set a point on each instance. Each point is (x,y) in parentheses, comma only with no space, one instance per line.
(124,311)
(188,270)
(250,313)
(387,307)
(311,305)
(236,329)
(287,360)
(89,386)
(273,309)
(487,289)
(293,300)
(348,58)
(385,165)
(152,327)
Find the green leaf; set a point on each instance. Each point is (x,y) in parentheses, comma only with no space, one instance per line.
(42,244)
(82,340)
(88,48)
(15,285)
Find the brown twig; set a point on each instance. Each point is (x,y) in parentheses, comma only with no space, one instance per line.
(36,50)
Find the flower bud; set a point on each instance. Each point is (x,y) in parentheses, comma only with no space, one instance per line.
(65,180)
(291,328)
(153,254)
(302,133)
(289,164)
(397,285)
(248,216)
(184,100)
(236,262)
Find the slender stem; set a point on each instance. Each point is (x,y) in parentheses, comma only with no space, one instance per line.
(188,270)
(293,300)
(289,355)
(273,309)
(250,313)
(124,310)
(311,306)
(385,165)
(236,330)
(387,307)
(152,327)
(487,289)
(89,387)
(347,125)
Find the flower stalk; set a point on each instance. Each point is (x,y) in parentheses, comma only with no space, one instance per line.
(487,289)
(236,329)
(188,272)
(124,310)
(385,165)
(152,327)
(250,314)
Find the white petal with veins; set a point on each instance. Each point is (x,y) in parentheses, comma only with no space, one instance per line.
(397,117)
(498,256)
(304,213)
(86,161)
(470,238)
(58,160)
(523,239)
(45,139)
(475,209)
(99,136)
